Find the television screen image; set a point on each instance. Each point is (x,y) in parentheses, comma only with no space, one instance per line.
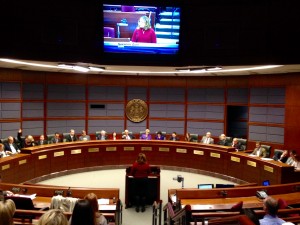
(225,185)
(137,29)
(266,183)
(205,186)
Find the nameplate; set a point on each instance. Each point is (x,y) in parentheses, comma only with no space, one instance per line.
(75,151)
(251,163)
(181,150)
(197,152)
(146,149)
(93,149)
(22,161)
(42,157)
(111,149)
(5,167)
(128,148)
(235,159)
(215,155)
(58,154)
(269,169)
(164,149)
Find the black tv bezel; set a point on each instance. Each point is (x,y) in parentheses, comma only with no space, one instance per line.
(144,59)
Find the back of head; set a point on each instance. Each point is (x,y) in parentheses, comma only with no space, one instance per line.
(93,199)
(271,206)
(53,217)
(83,213)
(7,211)
(141,158)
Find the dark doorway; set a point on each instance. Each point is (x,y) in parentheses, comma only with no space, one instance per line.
(237,121)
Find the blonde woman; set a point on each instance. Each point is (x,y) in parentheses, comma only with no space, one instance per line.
(53,217)
(144,33)
(7,211)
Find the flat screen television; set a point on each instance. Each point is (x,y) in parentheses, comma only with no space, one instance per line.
(135,32)
(205,186)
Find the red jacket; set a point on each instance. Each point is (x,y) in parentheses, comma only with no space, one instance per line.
(140,170)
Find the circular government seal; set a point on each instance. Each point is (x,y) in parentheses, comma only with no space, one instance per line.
(136,110)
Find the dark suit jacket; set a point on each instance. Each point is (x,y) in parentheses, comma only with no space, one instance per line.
(39,142)
(69,139)
(223,142)
(130,135)
(7,147)
(172,139)
(53,140)
(99,137)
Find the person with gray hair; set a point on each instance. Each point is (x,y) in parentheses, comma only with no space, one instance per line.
(270,206)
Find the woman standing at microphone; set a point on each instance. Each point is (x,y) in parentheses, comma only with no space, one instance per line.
(144,33)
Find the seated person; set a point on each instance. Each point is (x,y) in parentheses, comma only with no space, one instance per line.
(127,135)
(146,135)
(188,137)
(160,136)
(207,139)
(291,159)
(270,206)
(102,136)
(84,136)
(28,141)
(259,151)
(56,138)
(281,156)
(71,136)
(296,163)
(2,151)
(11,147)
(236,144)
(174,137)
(223,141)
(41,140)
(114,136)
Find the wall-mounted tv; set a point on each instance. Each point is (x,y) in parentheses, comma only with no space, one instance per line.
(139,32)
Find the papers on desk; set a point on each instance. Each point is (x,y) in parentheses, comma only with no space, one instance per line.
(107,207)
(103,201)
(33,196)
(267,159)
(253,155)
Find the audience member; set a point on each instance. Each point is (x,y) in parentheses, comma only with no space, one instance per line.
(82,213)
(2,151)
(259,151)
(281,156)
(160,136)
(140,171)
(144,32)
(146,135)
(127,135)
(11,147)
(207,139)
(56,139)
(7,211)
(71,136)
(223,140)
(26,142)
(174,137)
(84,136)
(41,140)
(102,136)
(236,144)
(270,206)
(93,199)
(53,217)
(291,159)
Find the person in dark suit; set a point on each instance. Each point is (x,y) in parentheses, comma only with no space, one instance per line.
(71,137)
(140,170)
(102,136)
(236,144)
(42,140)
(223,141)
(11,147)
(174,137)
(160,136)
(56,138)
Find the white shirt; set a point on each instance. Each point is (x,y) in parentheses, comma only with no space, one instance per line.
(13,150)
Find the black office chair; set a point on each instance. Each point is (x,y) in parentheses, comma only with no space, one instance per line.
(229,140)
(243,143)
(194,137)
(50,137)
(277,154)
(268,149)
(65,136)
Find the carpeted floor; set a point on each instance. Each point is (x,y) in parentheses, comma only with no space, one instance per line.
(116,179)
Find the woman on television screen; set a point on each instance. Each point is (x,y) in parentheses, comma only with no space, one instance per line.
(144,33)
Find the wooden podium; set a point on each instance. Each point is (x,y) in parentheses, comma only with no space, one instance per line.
(153,191)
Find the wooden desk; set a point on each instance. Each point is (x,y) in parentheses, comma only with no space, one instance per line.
(217,160)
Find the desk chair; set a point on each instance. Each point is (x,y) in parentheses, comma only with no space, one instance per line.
(109,32)
(65,136)
(277,154)
(243,143)
(268,149)
(194,137)
(50,137)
